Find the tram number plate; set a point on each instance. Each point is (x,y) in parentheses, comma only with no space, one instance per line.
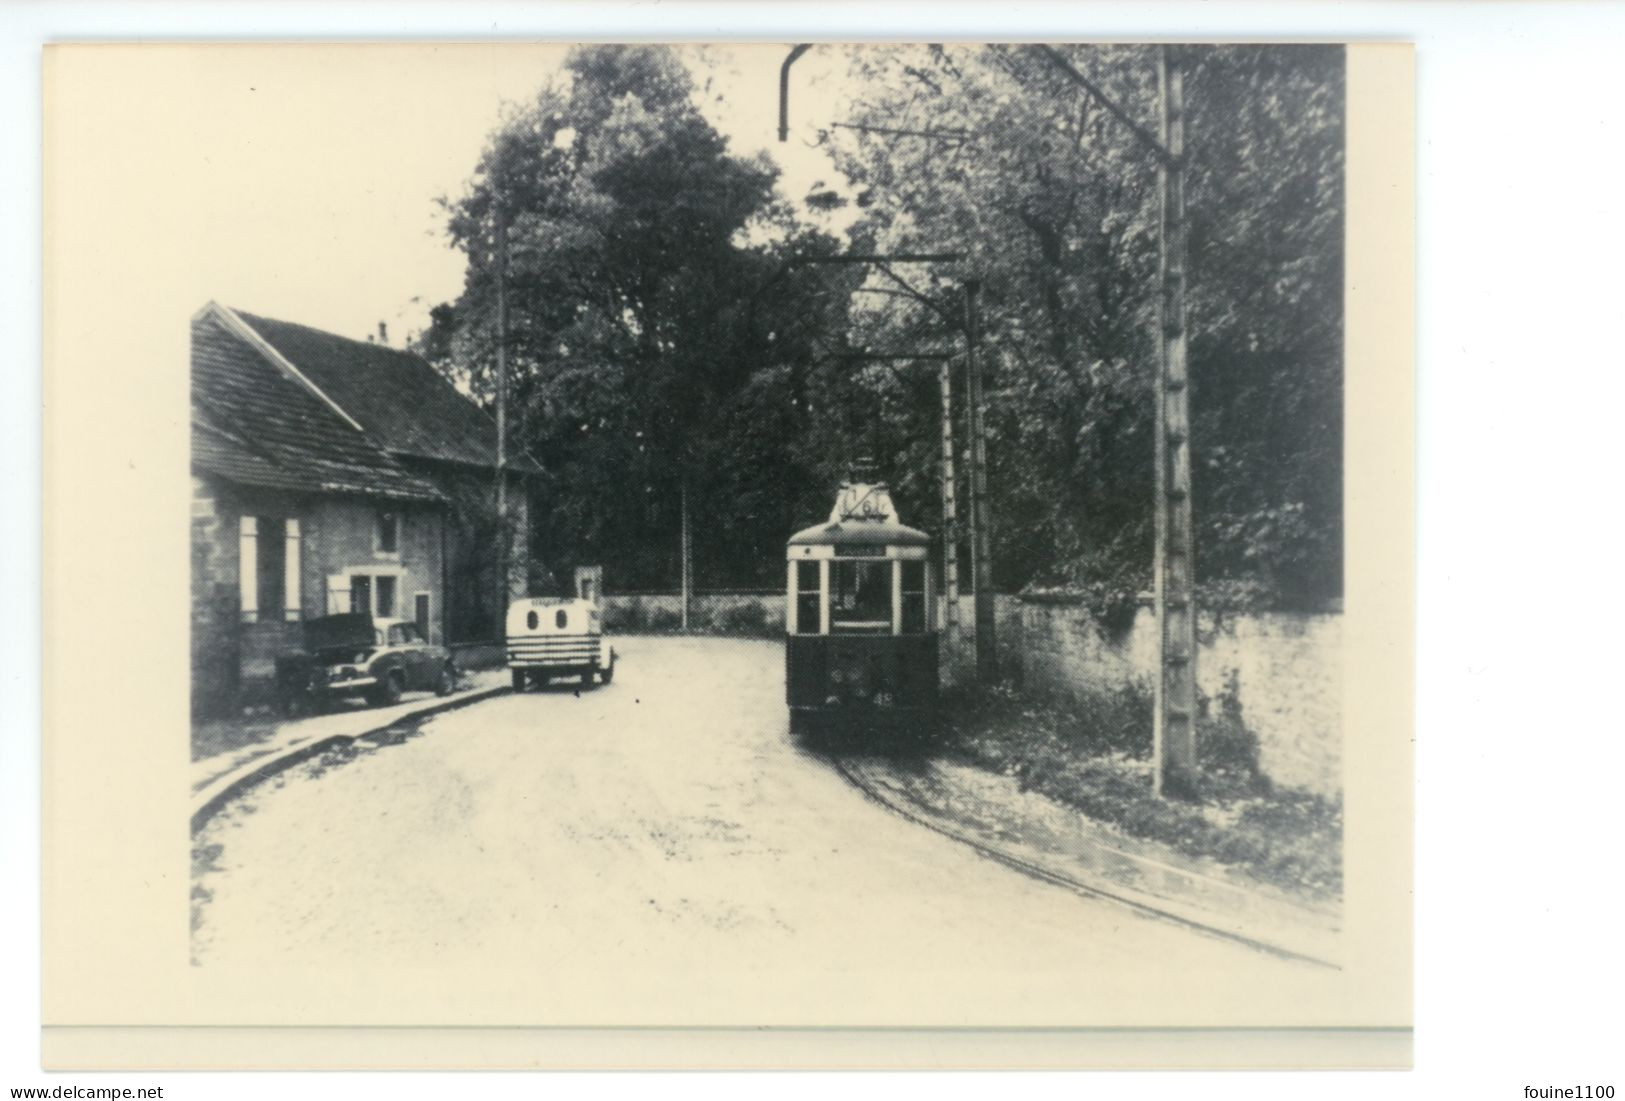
(884,699)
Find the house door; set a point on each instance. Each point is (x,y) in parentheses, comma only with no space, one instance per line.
(361,593)
(420,614)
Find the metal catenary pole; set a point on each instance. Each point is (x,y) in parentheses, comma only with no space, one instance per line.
(1173,561)
(980,550)
(1174,740)
(950,519)
(1174,734)
(976,519)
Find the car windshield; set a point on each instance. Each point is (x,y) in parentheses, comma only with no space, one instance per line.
(401,634)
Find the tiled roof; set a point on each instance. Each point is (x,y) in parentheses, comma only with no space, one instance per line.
(224,454)
(401,401)
(254,425)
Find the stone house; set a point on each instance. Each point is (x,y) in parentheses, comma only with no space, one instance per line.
(334,475)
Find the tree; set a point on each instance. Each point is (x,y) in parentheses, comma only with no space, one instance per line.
(662,335)
(646,323)
(1055,201)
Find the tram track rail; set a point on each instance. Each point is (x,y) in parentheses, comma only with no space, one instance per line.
(1057,879)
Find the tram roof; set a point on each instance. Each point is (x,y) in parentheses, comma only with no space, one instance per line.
(860,533)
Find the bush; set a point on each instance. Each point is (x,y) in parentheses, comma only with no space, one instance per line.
(1228,749)
(747,618)
(662,619)
(1113,720)
(1092,753)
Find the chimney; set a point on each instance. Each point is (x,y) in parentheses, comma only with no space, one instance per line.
(383,333)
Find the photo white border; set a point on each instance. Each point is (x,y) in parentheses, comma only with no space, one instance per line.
(1493,80)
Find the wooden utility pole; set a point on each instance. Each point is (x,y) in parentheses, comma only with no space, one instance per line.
(504,589)
(1174,732)
(950,516)
(981,556)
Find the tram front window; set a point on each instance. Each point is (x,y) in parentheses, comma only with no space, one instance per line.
(913,602)
(860,597)
(806,598)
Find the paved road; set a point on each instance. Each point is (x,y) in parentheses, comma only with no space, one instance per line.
(663,827)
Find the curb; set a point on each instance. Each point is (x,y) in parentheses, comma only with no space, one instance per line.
(1147,905)
(218,792)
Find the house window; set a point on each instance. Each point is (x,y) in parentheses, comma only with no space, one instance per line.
(368,593)
(389,532)
(268,568)
(384,585)
(290,572)
(248,570)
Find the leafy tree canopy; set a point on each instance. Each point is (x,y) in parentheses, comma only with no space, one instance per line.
(1056,203)
(645,328)
(660,345)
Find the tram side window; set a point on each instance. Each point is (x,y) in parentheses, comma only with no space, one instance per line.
(806,598)
(860,597)
(913,598)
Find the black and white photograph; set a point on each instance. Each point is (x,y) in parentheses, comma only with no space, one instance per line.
(720,550)
(731,535)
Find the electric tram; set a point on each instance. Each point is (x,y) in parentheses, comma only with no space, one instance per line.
(860,618)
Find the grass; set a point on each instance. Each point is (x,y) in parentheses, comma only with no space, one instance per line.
(1094,754)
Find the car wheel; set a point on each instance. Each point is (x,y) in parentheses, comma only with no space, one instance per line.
(445,681)
(518,680)
(292,705)
(389,690)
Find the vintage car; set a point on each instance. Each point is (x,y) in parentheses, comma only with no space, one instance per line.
(557,637)
(356,655)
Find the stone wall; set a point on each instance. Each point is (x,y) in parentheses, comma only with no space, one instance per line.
(957,663)
(751,613)
(214,600)
(1284,668)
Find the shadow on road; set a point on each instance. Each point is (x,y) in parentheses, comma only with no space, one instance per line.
(904,743)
